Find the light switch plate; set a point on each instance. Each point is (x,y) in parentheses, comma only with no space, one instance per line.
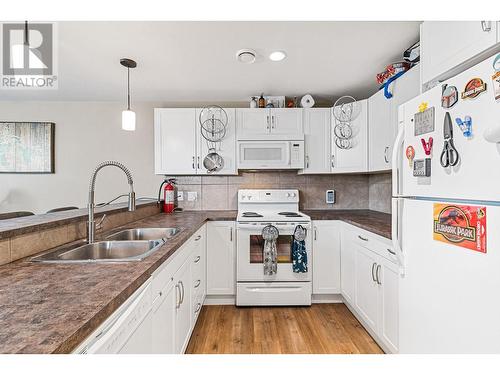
(192,196)
(180,196)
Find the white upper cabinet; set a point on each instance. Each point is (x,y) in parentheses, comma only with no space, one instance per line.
(175,141)
(286,123)
(180,147)
(269,124)
(449,47)
(226,148)
(383,118)
(355,158)
(317,140)
(381,131)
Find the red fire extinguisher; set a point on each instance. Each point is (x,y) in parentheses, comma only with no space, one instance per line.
(168,195)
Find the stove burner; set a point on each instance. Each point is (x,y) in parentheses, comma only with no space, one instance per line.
(289,214)
(251,214)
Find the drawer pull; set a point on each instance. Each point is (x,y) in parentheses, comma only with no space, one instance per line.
(391,252)
(198,238)
(198,282)
(197,259)
(363,238)
(198,308)
(373,274)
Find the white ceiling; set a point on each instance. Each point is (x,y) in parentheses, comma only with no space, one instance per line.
(195,61)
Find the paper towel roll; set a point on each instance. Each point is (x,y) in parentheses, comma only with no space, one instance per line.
(492,134)
(307,101)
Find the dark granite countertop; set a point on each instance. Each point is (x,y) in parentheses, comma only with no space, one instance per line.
(51,308)
(372,221)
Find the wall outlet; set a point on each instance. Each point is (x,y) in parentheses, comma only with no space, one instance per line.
(192,196)
(180,196)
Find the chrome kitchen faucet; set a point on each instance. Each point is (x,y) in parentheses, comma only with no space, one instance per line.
(91,204)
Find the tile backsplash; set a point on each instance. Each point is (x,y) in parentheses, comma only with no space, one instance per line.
(380,192)
(220,192)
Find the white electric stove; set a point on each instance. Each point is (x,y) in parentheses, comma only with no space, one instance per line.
(256,209)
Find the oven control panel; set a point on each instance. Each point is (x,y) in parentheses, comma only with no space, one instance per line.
(268,195)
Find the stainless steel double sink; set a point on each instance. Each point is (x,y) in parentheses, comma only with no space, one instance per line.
(124,246)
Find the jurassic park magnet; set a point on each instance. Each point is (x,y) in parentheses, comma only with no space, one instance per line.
(460,225)
(473,88)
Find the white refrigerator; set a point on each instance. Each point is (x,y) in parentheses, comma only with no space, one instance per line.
(449,253)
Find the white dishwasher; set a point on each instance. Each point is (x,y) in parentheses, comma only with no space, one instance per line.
(128,330)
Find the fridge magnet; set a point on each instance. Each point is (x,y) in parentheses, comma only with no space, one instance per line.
(423,106)
(410,154)
(495,80)
(460,225)
(496,62)
(422,167)
(465,126)
(424,121)
(449,96)
(427,145)
(473,88)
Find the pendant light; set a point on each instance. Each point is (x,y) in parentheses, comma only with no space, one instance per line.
(128,116)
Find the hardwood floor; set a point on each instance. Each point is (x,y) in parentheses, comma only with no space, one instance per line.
(319,329)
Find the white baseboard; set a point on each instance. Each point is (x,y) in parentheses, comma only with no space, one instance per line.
(220,300)
(327,298)
(231,299)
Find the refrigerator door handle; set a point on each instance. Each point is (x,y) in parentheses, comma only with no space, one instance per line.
(396,233)
(396,159)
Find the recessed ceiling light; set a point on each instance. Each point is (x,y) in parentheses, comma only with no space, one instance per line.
(246,56)
(277,56)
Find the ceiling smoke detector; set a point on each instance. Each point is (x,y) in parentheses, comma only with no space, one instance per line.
(246,56)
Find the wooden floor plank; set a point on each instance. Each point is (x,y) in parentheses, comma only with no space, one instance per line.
(319,329)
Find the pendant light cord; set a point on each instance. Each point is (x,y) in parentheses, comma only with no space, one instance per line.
(128,88)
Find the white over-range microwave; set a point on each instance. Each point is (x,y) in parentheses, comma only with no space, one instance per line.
(271,154)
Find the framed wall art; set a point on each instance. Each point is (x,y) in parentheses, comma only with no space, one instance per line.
(27,147)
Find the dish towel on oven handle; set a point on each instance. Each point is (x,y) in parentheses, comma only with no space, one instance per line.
(299,252)
(270,234)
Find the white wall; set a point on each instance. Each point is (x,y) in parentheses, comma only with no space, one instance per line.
(86,133)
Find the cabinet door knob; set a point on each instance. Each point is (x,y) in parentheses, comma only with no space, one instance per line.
(391,251)
(373,274)
(307,161)
(197,259)
(363,238)
(333,161)
(194,167)
(198,282)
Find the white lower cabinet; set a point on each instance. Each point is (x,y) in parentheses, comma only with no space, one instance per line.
(389,290)
(221,258)
(366,292)
(164,316)
(326,257)
(177,304)
(370,279)
(183,319)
